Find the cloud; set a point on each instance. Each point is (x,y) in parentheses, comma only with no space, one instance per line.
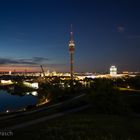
(31,61)
(40,59)
(121,29)
(31,64)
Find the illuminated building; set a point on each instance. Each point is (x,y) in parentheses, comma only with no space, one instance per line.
(71,51)
(32,85)
(6,82)
(10,72)
(54,73)
(113,71)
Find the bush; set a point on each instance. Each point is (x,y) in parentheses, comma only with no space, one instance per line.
(106,98)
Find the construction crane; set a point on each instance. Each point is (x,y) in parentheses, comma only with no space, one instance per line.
(42,71)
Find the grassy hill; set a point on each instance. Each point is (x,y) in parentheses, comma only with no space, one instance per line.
(85,125)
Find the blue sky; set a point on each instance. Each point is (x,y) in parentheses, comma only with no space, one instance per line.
(105,32)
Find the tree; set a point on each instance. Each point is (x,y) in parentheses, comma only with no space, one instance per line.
(106,98)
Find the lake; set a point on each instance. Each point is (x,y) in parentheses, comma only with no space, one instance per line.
(15,102)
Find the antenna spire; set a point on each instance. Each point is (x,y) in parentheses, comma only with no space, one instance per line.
(71,33)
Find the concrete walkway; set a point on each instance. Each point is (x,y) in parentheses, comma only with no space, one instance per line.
(46,118)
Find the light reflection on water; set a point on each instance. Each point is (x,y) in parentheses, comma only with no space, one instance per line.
(34,93)
(15,102)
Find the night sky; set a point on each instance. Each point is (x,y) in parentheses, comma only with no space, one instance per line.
(34,32)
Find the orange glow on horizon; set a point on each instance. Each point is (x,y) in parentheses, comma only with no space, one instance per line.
(19,69)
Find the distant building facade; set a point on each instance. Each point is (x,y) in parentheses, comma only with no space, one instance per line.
(113,71)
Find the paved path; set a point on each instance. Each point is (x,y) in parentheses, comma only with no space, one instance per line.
(42,119)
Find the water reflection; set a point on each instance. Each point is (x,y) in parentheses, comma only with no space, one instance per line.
(16,97)
(14,101)
(34,93)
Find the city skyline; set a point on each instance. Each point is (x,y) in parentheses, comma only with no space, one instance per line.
(34,33)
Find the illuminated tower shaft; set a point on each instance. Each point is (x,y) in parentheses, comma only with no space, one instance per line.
(71,66)
(71,51)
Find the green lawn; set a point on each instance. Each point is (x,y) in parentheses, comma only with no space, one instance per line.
(84,125)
